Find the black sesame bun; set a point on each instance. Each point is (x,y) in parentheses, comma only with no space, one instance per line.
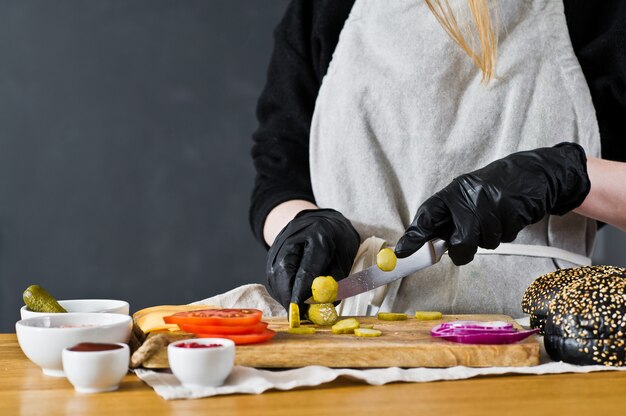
(586,322)
(543,290)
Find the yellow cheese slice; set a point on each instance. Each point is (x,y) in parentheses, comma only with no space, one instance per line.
(151,319)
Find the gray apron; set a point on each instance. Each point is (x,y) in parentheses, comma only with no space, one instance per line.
(401,112)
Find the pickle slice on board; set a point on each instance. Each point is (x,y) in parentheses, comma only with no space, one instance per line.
(39,300)
(323,314)
(294,315)
(345,326)
(302,330)
(428,315)
(391,316)
(367,332)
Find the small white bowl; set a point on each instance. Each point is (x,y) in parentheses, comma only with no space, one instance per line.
(96,371)
(43,338)
(202,367)
(83,305)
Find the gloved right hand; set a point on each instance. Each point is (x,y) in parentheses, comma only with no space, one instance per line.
(315,243)
(493,204)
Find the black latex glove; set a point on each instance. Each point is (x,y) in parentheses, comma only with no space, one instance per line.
(315,243)
(491,205)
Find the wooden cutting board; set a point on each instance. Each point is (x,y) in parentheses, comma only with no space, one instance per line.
(402,344)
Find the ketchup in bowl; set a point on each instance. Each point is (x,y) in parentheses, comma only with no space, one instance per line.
(94,346)
(94,367)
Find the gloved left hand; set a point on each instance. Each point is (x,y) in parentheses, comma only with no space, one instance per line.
(491,205)
(316,242)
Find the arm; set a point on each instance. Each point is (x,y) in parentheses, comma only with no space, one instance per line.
(304,42)
(598,37)
(492,204)
(606,200)
(303,241)
(281,215)
(284,111)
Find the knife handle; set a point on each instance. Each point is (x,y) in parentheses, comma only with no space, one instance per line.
(437,248)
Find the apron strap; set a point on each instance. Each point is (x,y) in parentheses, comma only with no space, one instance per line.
(538,251)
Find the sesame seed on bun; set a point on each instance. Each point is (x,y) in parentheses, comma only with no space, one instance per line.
(586,322)
(543,290)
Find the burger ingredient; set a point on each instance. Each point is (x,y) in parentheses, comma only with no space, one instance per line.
(94,347)
(386,260)
(324,289)
(586,322)
(345,326)
(367,332)
(137,337)
(151,319)
(544,289)
(391,316)
(152,345)
(294,315)
(244,338)
(302,330)
(244,317)
(224,329)
(197,345)
(477,332)
(323,314)
(39,300)
(428,315)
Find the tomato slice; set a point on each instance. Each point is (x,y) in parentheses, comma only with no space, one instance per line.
(224,329)
(243,339)
(235,317)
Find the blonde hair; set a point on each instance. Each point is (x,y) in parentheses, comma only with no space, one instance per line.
(482,34)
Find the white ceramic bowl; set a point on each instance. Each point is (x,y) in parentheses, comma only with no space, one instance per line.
(83,305)
(43,338)
(202,367)
(96,371)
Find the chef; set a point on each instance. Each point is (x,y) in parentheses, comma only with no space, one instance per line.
(478,122)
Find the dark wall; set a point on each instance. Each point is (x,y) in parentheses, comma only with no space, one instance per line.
(124,147)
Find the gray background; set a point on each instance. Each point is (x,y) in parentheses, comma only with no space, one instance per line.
(124,148)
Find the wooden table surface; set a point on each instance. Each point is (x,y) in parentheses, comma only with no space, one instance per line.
(24,390)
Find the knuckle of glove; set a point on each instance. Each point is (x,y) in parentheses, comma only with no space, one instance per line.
(462,254)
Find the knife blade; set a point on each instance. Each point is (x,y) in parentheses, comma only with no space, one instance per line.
(373,277)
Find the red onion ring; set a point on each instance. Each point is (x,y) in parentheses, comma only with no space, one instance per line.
(477,332)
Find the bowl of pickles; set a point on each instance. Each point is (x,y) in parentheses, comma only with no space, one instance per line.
(38,302)
(43,338)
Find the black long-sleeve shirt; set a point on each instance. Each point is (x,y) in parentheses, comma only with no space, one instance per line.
(304,42)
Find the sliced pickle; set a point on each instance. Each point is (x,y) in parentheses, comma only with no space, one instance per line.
(391,316)
(345,326)
(324,289)
(386,260)
(323,314)
(428,315)
(367,332)
(302,330)
(294,315)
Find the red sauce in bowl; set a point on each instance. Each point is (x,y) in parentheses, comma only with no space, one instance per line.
(94,346)
(197,345)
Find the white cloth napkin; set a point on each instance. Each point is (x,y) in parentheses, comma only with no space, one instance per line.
(247,296)
(249,380)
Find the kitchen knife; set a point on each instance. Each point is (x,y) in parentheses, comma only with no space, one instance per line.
(373,277)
